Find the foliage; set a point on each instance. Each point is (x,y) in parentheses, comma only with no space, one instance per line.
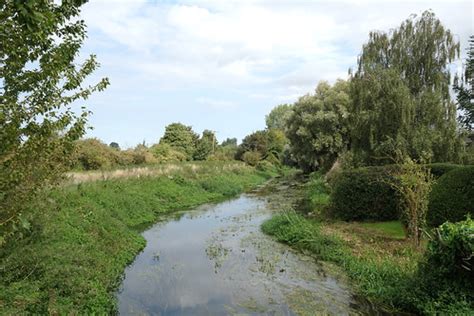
(180,137)
(40,81)
(382,115)
(224,153)
(439,169)
(316,196)
(464,87)
(251,157)
(365,194)
(229,142)
(92,154)
(114,145)
(394,284)
(317,128)
(256,141)
(276,142)
(447,269)
(205,146)
(278,117)
(413,184)
(452,197)
(166,153)
(85,235)
(400,94)
(141,155)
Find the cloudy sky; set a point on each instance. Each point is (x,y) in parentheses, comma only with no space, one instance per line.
(223,65)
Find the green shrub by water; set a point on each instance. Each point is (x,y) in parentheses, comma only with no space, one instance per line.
(447,271)
(452,197)
(84,235)
(364,194)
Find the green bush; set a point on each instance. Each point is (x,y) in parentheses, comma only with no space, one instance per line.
(446,271)
(439,169)
(251,157)
(92,154)
(166,153)
(364,194)
(265,165)
(452,196)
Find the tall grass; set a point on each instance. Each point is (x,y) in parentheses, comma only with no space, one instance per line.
(156,170)
(84,235)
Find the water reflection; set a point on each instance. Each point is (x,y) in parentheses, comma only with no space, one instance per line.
(215,261)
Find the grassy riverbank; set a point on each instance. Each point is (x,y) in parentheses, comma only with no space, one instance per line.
(85,235)
(380,261)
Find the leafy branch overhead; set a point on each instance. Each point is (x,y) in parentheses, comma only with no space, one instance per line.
(42,88)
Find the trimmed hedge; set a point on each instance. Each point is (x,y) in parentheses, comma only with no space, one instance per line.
(439,169)
(452,197)
(365,194)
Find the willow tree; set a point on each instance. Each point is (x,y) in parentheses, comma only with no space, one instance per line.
(40,82)
(400,93)
(464,87)
(317,129)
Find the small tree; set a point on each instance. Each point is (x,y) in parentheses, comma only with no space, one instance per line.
(181,137)
(40,81)
(205,146)
(413,182)
(317,129)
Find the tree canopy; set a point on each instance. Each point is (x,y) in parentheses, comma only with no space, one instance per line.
(181,137)
(400,93)
(278,117)
(317,129)
(41,81)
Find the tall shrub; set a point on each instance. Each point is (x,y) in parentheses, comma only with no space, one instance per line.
(40,81)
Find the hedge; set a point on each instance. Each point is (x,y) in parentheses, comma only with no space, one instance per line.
(452,197)
(364,194)
(439,169)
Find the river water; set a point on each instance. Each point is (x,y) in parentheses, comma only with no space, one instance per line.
(214,260)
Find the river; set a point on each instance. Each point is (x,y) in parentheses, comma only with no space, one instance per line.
(214,260)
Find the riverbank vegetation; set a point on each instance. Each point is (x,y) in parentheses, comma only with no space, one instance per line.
(391,193)
(383,264)
(390,153)
(84,235)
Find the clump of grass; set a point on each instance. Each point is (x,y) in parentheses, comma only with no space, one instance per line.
(84,235)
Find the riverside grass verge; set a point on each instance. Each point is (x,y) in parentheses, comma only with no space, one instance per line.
(85,235)
(382,265)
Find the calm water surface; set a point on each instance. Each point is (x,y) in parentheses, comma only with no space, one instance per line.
(215,261)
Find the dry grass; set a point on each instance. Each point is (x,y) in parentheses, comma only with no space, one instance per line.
(154,171)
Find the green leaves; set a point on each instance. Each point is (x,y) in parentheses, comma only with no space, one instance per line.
(317,128)
(400,94)
(41,82)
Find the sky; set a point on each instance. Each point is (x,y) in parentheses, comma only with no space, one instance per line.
(223,65)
